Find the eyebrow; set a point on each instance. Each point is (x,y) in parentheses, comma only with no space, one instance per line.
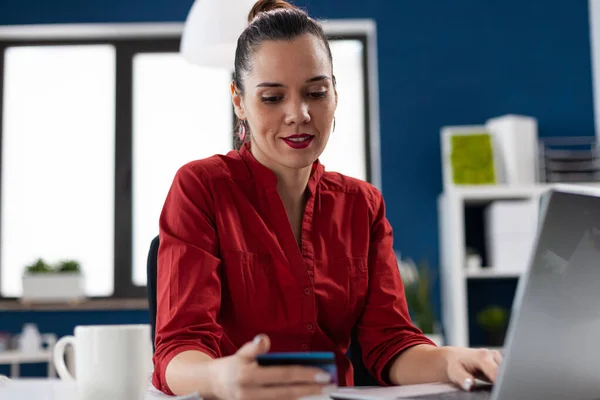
(275,84)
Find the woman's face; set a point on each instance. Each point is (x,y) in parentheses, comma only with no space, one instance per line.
(289,102)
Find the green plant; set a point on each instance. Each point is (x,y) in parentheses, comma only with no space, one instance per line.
(42,267)
(493,319)
(68,266)
(418,282)
(39,266)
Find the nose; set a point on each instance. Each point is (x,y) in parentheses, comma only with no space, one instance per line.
(297,112)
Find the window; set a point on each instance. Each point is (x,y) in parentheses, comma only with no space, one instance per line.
(345,151)
(90,143)
(58,161)
(181,113)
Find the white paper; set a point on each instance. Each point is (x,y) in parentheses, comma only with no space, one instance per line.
(394,392)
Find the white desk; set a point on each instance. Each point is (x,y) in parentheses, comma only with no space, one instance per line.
(55,389)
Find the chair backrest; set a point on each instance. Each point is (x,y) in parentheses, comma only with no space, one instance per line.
(362,377)
(151,268)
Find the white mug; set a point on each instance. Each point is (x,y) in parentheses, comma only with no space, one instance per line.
(111,361)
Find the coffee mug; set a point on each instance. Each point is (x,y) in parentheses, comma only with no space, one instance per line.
(111,361)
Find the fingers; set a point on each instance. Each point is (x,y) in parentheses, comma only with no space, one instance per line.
(474,364)
(487,363)
(254,375)
(260,345)
(287,375)
(461,377)
(498,357)
(281,392)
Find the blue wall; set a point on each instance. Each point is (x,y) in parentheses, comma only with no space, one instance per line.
(462,62)
(440,63)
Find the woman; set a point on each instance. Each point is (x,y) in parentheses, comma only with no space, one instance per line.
(262,250)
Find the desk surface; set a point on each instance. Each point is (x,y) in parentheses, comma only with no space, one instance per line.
(55,389)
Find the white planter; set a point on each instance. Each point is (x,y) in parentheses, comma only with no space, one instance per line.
(52,287)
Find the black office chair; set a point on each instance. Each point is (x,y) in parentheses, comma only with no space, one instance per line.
(151,268)
(362,377)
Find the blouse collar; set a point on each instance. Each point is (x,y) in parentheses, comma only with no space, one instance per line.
(266,177)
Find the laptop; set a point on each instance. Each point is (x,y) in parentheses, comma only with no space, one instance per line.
(552,348)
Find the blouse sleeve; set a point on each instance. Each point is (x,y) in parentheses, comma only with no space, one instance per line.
(188,276)
(385,328)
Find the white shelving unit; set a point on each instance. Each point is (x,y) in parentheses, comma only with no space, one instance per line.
(44,355)
(15,358)
(489,273)
(453,272)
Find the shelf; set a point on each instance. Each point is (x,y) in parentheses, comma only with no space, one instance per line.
(460,216)
(490,273)
(88,305)
(14,356)
(477,193)
(485,193)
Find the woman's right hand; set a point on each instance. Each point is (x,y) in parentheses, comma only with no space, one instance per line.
(239,377)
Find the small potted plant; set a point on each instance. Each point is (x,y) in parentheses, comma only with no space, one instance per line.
(494,321)
(418,282)
(43,282)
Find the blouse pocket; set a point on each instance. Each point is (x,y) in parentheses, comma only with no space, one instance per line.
(358,283)
(256,294)
(246,276)
(343,282)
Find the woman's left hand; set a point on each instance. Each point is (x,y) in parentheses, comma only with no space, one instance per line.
(464,365)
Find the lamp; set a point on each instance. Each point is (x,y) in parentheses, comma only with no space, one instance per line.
(211,31)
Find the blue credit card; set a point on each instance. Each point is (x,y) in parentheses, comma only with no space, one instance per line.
(324,360)
(296,358)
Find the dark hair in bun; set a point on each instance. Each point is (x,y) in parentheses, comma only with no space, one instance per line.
(268,5)
(271,20)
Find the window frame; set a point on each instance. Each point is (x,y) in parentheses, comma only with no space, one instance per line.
(131,39)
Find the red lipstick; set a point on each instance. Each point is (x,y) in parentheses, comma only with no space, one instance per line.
(300,141)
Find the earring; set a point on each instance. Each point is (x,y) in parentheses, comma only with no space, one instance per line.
(242,131)
(333,124)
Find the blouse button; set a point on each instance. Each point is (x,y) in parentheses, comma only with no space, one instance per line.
(307,291)
(309,327)
(304,346)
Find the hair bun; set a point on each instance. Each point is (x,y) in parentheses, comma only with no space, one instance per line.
(267,5)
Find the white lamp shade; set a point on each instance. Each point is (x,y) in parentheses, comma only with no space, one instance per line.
(211,31)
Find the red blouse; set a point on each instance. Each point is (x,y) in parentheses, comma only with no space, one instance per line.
(230,268)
